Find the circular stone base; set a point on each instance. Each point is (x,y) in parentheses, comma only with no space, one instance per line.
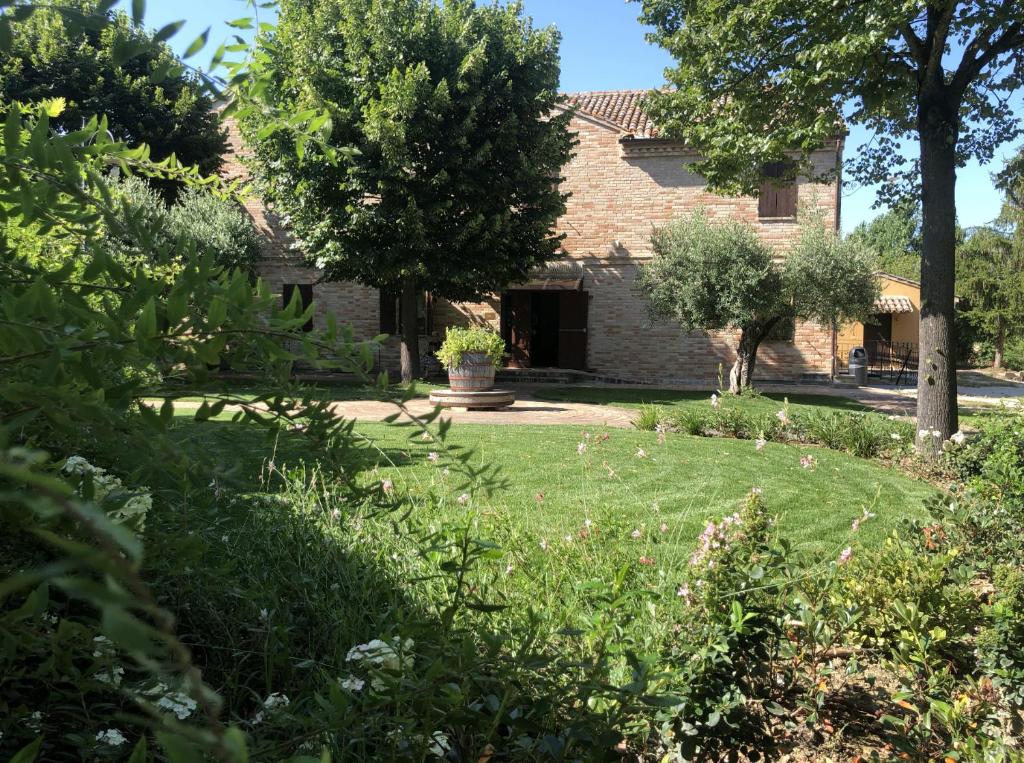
(493,398)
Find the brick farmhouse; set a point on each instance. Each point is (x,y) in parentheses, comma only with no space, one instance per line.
(582,312)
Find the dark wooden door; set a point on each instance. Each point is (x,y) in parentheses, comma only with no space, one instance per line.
(572,329)
(515,329)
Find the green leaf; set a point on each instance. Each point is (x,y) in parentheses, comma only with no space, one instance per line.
(197,44)
(139,753)
(145,326)
(234,741)
(243,23)
(28,753)
(178,749)
(12,130)
(127,631)
(168,31)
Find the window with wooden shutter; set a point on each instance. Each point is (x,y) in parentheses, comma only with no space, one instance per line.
(305,299)
(777,197)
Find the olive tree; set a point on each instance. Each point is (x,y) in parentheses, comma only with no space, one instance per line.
(714,276)
(759,81)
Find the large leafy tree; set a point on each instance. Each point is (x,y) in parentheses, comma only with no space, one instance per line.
(990,276)
(452,183)
(759,81)
(713,276)
(114,69)
(894,238)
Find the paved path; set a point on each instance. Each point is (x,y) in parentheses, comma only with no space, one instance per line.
(530,410)
(527,410)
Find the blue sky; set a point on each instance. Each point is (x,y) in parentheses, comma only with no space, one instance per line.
(603,48)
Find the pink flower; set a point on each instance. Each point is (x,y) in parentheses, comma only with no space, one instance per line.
(664,527)
(783,417)
(845,555)
(647,561)
(808,462)
(755,491)
(683,592)
(463,499)
(635,534)
(387,486)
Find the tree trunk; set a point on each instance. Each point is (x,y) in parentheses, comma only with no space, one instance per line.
(936,385)
(409,314)
(741,376)
(997,361)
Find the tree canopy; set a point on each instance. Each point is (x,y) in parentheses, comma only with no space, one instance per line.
(758,81)
(711,276)
(114,69)
(456,150)
(894,238)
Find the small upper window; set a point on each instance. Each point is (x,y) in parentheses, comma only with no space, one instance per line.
(777,197)
(305,299)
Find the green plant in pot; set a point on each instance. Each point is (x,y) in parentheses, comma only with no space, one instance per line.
(471,355)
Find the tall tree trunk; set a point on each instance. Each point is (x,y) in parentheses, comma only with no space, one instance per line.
(997,362)
(409,314)
(741,376)
(936,385)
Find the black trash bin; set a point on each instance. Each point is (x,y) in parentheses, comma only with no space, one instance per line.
(859,365)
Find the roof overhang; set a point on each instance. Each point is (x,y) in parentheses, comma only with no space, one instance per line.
(895,305)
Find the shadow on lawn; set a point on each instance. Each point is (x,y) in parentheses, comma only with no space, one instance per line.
(273,588)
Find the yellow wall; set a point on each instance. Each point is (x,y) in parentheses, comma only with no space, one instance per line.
(905,326)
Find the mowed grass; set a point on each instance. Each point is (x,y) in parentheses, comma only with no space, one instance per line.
(631,397)
(545,491)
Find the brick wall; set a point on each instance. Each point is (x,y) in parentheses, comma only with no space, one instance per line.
(618,197)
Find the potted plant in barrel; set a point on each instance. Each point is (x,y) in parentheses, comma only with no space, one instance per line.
(471,355)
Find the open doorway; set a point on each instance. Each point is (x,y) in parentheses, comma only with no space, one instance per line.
(545,328)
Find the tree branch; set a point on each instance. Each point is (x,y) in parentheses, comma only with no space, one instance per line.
(938,32)
(915,44)
(981,52)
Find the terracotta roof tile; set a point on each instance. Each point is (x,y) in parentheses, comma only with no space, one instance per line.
(623,108)
(894,304)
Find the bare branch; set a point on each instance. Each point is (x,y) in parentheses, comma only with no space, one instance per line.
(981,52)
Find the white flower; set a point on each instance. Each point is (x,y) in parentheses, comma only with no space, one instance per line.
(588,523)
(377,653)
(895,436)
(276,700)
(759,443)
(463,499)
(543,544)
(664,527)
(35,721)
(181,705)
(581,449)
(635,534)
(715,402)
(567,539)
(782,416)
(353,684)
(103,646)
(113,676)
(641,453)
(387,486)
(958,438)
(439,745)
(264,614)
(113,737)
(432,456)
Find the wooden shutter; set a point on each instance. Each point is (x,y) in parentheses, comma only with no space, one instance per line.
(777,200)
(572,329)
(305,299)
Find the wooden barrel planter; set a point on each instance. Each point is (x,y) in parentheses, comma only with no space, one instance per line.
(474,374)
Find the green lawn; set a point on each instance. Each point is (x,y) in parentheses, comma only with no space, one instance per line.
(334,390)
(546,490)
(679,399)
